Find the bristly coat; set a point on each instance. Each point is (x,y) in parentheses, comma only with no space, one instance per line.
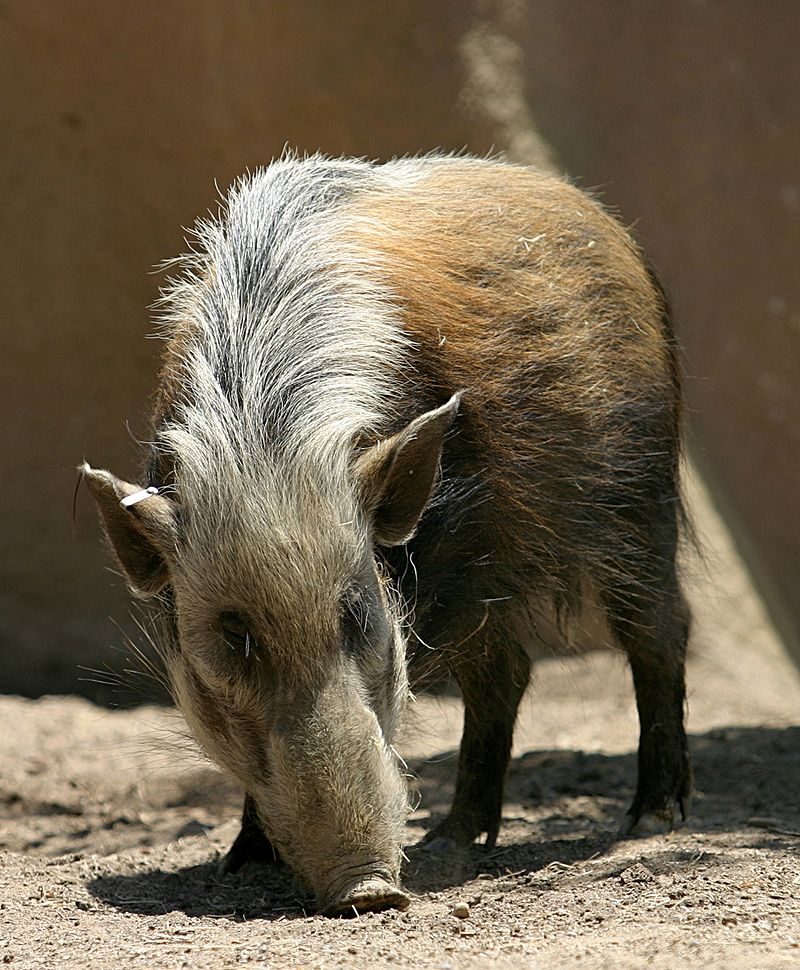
(439,397)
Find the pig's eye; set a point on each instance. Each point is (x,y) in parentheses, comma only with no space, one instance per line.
(355,618)
(235,631)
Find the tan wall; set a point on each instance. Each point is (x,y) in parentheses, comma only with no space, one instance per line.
(116,119)
(118,116)
(686,115)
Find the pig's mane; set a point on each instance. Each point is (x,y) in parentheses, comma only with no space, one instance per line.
(283,346)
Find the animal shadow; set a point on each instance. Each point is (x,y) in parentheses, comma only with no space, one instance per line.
(561,807)
(267,892)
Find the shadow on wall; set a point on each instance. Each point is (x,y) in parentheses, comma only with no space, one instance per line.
(678,111)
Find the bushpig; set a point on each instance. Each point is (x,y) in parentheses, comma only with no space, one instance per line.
(404,411)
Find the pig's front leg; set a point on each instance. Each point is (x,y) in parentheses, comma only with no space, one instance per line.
(492,682)
(251,844)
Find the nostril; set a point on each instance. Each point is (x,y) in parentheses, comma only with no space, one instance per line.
(369,895)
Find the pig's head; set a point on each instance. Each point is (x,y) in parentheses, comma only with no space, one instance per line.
(288,658)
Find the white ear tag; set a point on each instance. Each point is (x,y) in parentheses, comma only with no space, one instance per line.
(138,496)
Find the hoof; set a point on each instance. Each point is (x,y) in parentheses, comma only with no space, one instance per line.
(439,845)
(367,896)
(240,858)
(457,833)
(229,865)
(647,824)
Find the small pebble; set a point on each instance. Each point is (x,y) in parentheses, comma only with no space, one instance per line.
(636,873)
(461,910)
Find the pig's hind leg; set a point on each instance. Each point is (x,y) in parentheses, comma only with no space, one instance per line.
(650,620)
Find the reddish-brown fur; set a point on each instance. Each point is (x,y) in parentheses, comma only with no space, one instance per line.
(562,473)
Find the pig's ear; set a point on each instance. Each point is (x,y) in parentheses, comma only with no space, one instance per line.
(141,534)
(397,476)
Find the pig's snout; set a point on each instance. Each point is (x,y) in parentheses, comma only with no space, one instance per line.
(337,802)
(371,889)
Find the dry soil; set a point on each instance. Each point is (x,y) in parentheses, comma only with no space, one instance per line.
(112,828)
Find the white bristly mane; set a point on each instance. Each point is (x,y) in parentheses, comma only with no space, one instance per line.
(288,346)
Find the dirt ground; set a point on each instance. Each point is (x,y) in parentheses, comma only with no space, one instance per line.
(112,828)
